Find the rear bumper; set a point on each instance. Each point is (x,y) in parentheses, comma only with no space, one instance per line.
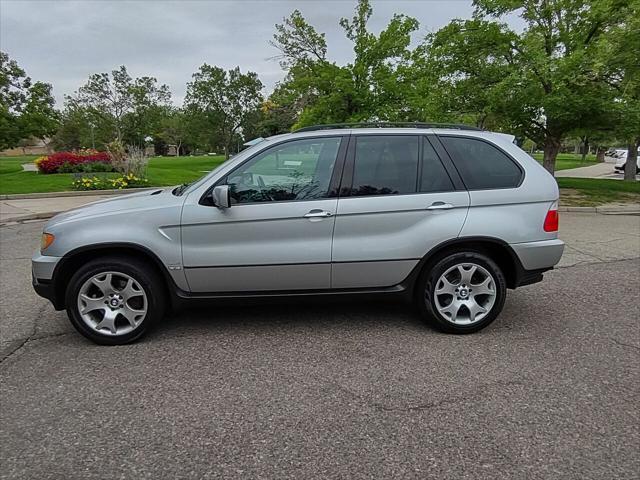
(542,255)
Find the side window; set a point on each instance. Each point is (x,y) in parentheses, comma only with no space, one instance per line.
(298,170)
(481,165)
(434,177)
(385,165)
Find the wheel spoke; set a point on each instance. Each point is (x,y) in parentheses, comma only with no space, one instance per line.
(109,321)
(474,309)
(452,309)
(447,287)
(92,304)
(483,288)
(129,291)
(466,274)
(104,285)
(131,314)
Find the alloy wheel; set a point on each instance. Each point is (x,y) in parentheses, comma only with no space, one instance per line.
(112,303)
(465,294)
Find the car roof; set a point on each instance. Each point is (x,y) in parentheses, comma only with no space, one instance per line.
(393,131)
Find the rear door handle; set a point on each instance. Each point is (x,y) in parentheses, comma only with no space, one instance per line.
(440,206)
(318,214)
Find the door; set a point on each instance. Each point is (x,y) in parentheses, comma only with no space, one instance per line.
(276,236)
(401,201)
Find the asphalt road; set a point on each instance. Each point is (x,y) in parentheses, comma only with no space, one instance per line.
(550,390)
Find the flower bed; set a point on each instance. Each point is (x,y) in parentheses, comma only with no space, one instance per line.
(70,162)
(104,183)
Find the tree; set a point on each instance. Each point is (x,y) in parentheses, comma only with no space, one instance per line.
(26,107)
(620,53)
(373,87)
(542,83)
(225,99)
(132,107)
(174,129)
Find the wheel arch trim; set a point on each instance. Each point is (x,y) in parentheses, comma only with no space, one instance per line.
(115,248)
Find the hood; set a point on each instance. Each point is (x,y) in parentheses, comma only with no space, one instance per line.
(139,201)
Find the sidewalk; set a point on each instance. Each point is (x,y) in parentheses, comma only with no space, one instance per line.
(599,170)
(12,210)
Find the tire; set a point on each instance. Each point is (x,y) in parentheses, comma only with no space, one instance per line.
(114,300)
(463,310)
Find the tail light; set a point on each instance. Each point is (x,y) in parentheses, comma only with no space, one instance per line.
(551,220)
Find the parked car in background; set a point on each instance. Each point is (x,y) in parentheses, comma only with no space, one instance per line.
(621,161)
(447,216)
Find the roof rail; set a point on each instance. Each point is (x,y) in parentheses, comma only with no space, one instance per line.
(333,126)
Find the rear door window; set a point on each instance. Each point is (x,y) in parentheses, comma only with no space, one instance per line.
(482,165)
(385,165)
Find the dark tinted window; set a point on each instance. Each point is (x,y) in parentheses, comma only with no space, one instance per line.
(298,170)
(385,165)
(434,177)
(482,165)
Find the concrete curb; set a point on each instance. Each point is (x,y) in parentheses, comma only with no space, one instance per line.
(604,210)
(79,193)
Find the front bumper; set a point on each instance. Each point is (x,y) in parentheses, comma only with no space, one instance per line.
(42,268)
(542,255)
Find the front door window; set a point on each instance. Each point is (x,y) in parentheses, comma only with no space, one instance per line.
(298,170)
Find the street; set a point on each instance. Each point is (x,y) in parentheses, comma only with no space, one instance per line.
(360,390)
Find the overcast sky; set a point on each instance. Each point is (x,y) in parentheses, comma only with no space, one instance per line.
(62,42)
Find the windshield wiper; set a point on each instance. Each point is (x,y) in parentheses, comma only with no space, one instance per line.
(180,190)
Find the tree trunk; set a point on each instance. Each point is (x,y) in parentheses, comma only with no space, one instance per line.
(178,149)
(600,154)
(551,149)
(632,162)
(585,149)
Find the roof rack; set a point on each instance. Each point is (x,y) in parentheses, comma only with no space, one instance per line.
(333,126)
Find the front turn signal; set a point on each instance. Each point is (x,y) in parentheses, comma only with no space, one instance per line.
(47,240)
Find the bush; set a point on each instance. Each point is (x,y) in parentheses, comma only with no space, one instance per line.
(88,183)
(133,160)
(127,181)
(66,162)
(102,183)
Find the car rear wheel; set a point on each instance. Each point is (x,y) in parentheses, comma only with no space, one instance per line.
(113,301)
(463,292)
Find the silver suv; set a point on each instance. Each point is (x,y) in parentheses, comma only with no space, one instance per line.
(448,216)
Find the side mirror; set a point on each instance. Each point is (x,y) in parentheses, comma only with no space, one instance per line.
(221,196)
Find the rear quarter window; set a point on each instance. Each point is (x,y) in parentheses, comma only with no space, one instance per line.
(482,165)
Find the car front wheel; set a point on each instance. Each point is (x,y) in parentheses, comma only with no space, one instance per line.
(113,301)
(463,292)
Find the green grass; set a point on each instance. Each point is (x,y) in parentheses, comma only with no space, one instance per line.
(162,171)
(565,161)
(594,191)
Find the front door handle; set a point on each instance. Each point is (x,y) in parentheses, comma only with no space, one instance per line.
(318,214)
(440,206)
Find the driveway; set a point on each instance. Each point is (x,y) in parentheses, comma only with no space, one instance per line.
(365,390)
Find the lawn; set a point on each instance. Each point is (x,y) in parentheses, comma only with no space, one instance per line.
(588,192)
(565,161)
(164,171)
(161,171)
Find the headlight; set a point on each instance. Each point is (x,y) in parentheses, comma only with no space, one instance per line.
(47,240)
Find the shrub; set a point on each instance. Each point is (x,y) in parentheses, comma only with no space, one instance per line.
(127,181)
(88,183)
(101,183)
(133,160)
(67,161)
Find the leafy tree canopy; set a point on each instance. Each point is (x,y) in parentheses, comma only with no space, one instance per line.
(26,107)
